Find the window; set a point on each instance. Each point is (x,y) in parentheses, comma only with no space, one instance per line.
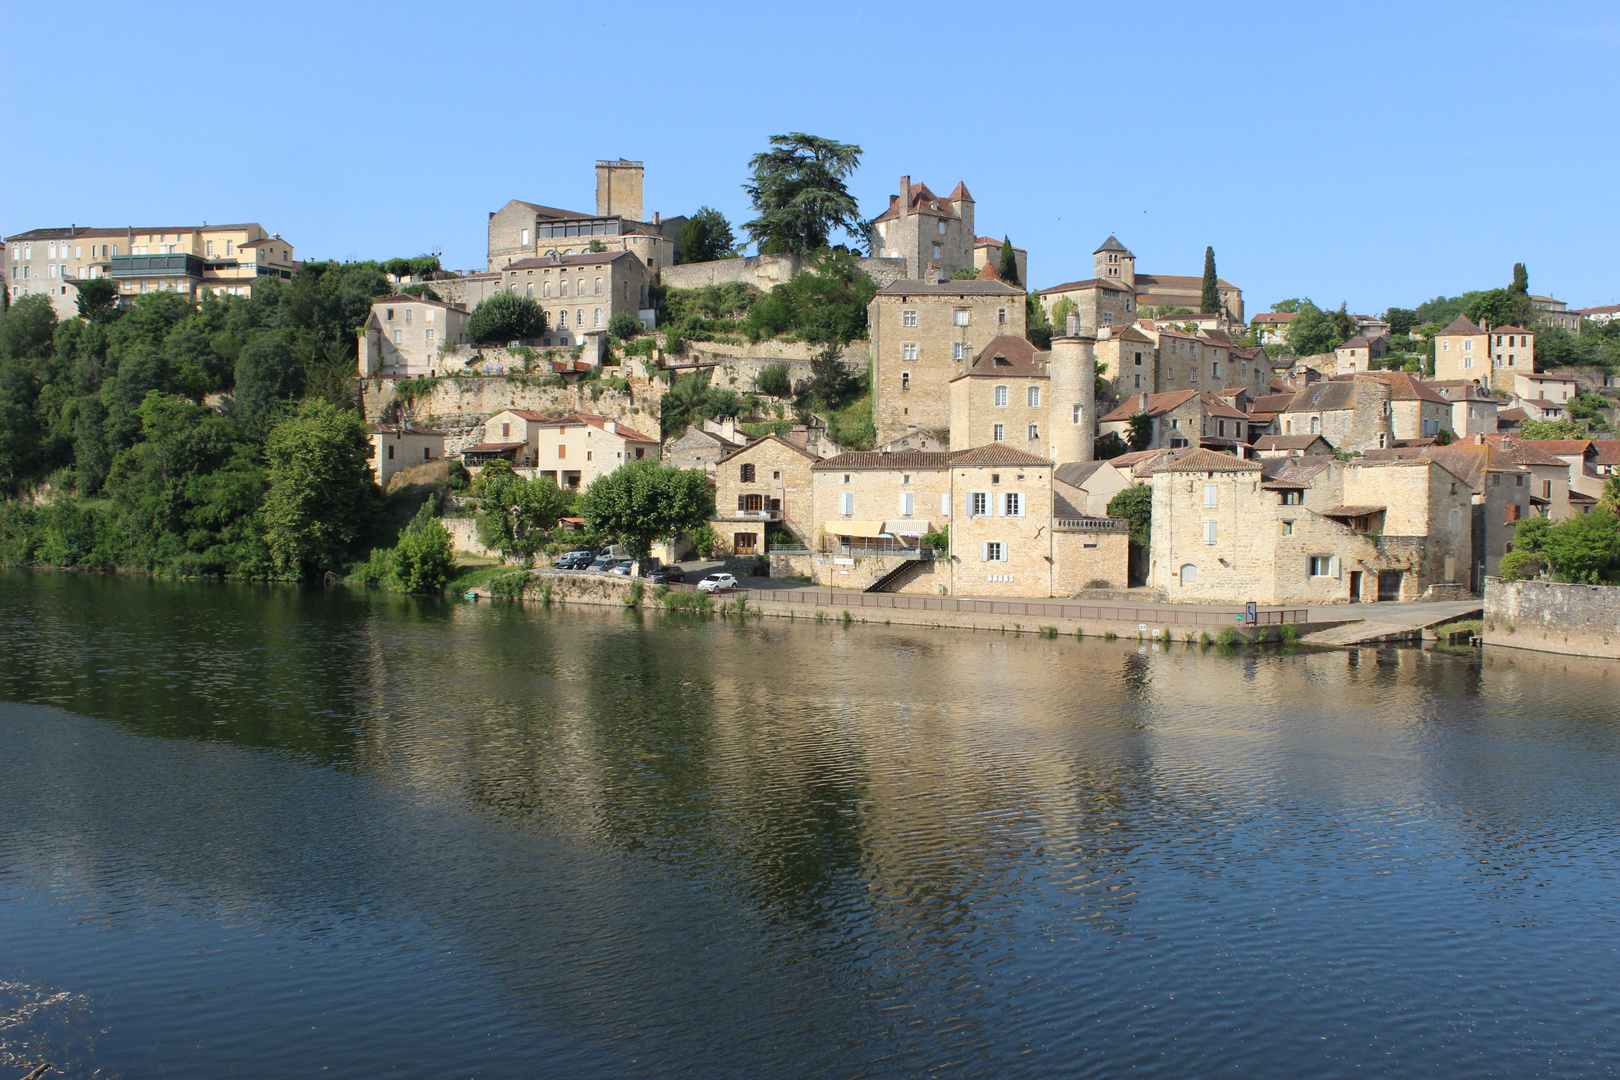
(1001,395)
(1138,359)
(562,287)
(999,432)
(562,319)
(961,316)
(525,240)
(959,350)
(908,350)
(1138,385)
(942,228)
(1316,425)
(746,474)
(1013,504)
(1034,397)
(905,380)
(562,450)
(908,318)
(1189,574)
(993,551)
(944,505)
(936,253)
(1288,528)
(208,249)
(429,333)
(1215,370)
(1211,494)
(1077,414)
(1034,432)
(978,504)
(598,286)
(1292,498)
(506,431)
(848,503)
(1211,534)
(399,335)
(390,451)
(1001,316)
(907,503)
(1323,566)
(598,318)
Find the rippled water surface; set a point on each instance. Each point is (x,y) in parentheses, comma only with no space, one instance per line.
(272,832)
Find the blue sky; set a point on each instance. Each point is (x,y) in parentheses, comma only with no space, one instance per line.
(1375,153)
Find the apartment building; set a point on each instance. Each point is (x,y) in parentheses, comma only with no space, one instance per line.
(405,336)
(582,293)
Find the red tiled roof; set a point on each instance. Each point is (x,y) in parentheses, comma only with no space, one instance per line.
(1157,404)
(1461,326)
(624,431)
(1087,283)
(773,437)
(996,454)
(567,260)
(1276,317)
(1202,460)
(1017,355)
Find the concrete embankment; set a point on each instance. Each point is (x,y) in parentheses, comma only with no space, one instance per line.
(1577,620)
(1061,617)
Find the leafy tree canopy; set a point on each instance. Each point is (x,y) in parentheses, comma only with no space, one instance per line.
(515,513)
(798,191)
(645,501)
(506,316)
(1583,547)
(1135,504)
(706,236)
(1313,331)
(1552,429)
(825,305)
(1141,436)
(321,492)
(97,299)
(1401,320)
(1288,307)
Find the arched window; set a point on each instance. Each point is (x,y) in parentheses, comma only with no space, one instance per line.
(1189,574)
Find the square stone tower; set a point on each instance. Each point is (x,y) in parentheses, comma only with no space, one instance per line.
(618,189)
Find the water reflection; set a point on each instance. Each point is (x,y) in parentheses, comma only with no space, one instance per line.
(657,843)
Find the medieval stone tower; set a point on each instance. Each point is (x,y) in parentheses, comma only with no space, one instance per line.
(1114,262)
(618,189)
(1073,387)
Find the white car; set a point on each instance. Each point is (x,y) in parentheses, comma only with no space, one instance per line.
(717,581)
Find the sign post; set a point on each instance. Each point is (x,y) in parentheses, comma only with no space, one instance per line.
(1251,614)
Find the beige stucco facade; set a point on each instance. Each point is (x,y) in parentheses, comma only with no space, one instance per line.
(404,334)
(574,450)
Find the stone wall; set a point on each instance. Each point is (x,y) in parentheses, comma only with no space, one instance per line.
(737,367)
(1581,620)
(464,536)
(765,272)
(459,405)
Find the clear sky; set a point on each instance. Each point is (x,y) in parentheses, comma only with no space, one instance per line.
(1378,153)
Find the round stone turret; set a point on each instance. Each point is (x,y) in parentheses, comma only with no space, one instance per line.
(1072,370)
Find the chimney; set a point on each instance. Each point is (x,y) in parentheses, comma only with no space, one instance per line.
(658,217)
(905,195)
(1143,402)
(611,426)
(932,273)
(1072,327)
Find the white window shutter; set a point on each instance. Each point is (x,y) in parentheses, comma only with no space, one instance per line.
(984,552)
(1333,566)
(1000,507)
(945,505)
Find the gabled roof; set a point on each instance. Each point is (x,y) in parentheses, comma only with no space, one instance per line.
(1461,326)
(1606,451)
(551,211)
(1403,386)
(1183,282)
(1157,405)
(1324,397)
(995,454)
(1468,462)
(1288,442)
(1008,356)
(1507,330)
(1111,244)
(1545,377)
(523,414)
(959,193)
(851,460)
(1511,416)
(1271,404)
(408,429)
(568,260)
(989,241)
(1357,342)
(1521,452)
(623,431)
(773,437)
(1272,318)
(1087,283)
(1556,446)
(1201,460)
(1131,333)
(1603,309)
(407,298)
(921,200)
(913,287)
(1076,473)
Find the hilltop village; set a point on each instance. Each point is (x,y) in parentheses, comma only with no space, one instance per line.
(908,414)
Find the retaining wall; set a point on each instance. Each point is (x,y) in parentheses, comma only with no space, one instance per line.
(1578,620)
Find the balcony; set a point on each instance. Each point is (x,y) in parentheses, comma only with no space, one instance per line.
(1091,524)
(748,515)
(168,266)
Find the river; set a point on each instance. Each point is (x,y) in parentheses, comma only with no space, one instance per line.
(274,832)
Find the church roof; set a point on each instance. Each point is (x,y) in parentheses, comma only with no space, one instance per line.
(1112,244)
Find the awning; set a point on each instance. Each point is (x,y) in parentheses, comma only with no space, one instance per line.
(908,527)
(872,529)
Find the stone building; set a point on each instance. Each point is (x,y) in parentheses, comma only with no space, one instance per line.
(1316,532)
(1129,360)
(926,230)
(1114,265)
(395,447)
(922,335)
(1181,418)
(190,260)
(699,448)
(1353,414)
(761,488)
(987,253)
(1089,486)
(404,334)
(871,510)
(513,434)
(1416,410)
(1358,353)
(574,450)
(524,230)
(1473,408)
(581,293)
(1549,475)
(1492,356)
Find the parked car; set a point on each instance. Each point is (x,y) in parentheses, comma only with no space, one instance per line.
(663,575)
(717,580)
(620,568)
(575,560)
(601,563)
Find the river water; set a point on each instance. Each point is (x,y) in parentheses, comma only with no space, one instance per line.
(271,832)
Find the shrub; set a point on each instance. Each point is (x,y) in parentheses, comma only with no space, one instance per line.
(506,317)
(1227,636)
(510,586)
(775,381)
(624,326)
(703,539)
(1288,632)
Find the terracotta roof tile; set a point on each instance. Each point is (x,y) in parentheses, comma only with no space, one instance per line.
(1201,460)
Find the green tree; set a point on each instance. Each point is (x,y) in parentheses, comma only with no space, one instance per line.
(1401,321)
(29,329)
(1521,280)
(1501,307)
(1141,436)
(1037,327)
(798,191)
(824,305)
(268,376)
(1210,300)
(1289,307)
(506,316)
(705,237)
(1135,504)
(515,513)
(1008,265)
(97,300)
(1552,429)
(1344,324)
(424,557)
(1583,547)
(645,501)
(775,381)
(1530,534)
(1111,446)
(1610,499)
(1312,331)
(322,495)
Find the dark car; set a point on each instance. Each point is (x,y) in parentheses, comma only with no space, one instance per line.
(663,575)
(575,560)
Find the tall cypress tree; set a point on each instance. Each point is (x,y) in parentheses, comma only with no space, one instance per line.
(1211,302)
(1521,279)
(1008,268)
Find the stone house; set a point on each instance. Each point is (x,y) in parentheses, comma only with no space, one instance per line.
(1556,313)
(403,335)
(926,231)
(1513,351)
(1271,327)
(762,488)
(1549,387)
(1354,414)
(987,252)
(1549,474)
(922,335)
(871,510)
(1578,455)
(1358,353)
(581,293)
(1416,410)
(524,230)
(1002,397)
(1473,408)
(395,447)
(1098,301)
(513,434)
(1129,360)
(698,448)
(574,450)
(1089,486)
(1462,352)
(1114,263)
(1181,418)
(1223,533)
(1281,446)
